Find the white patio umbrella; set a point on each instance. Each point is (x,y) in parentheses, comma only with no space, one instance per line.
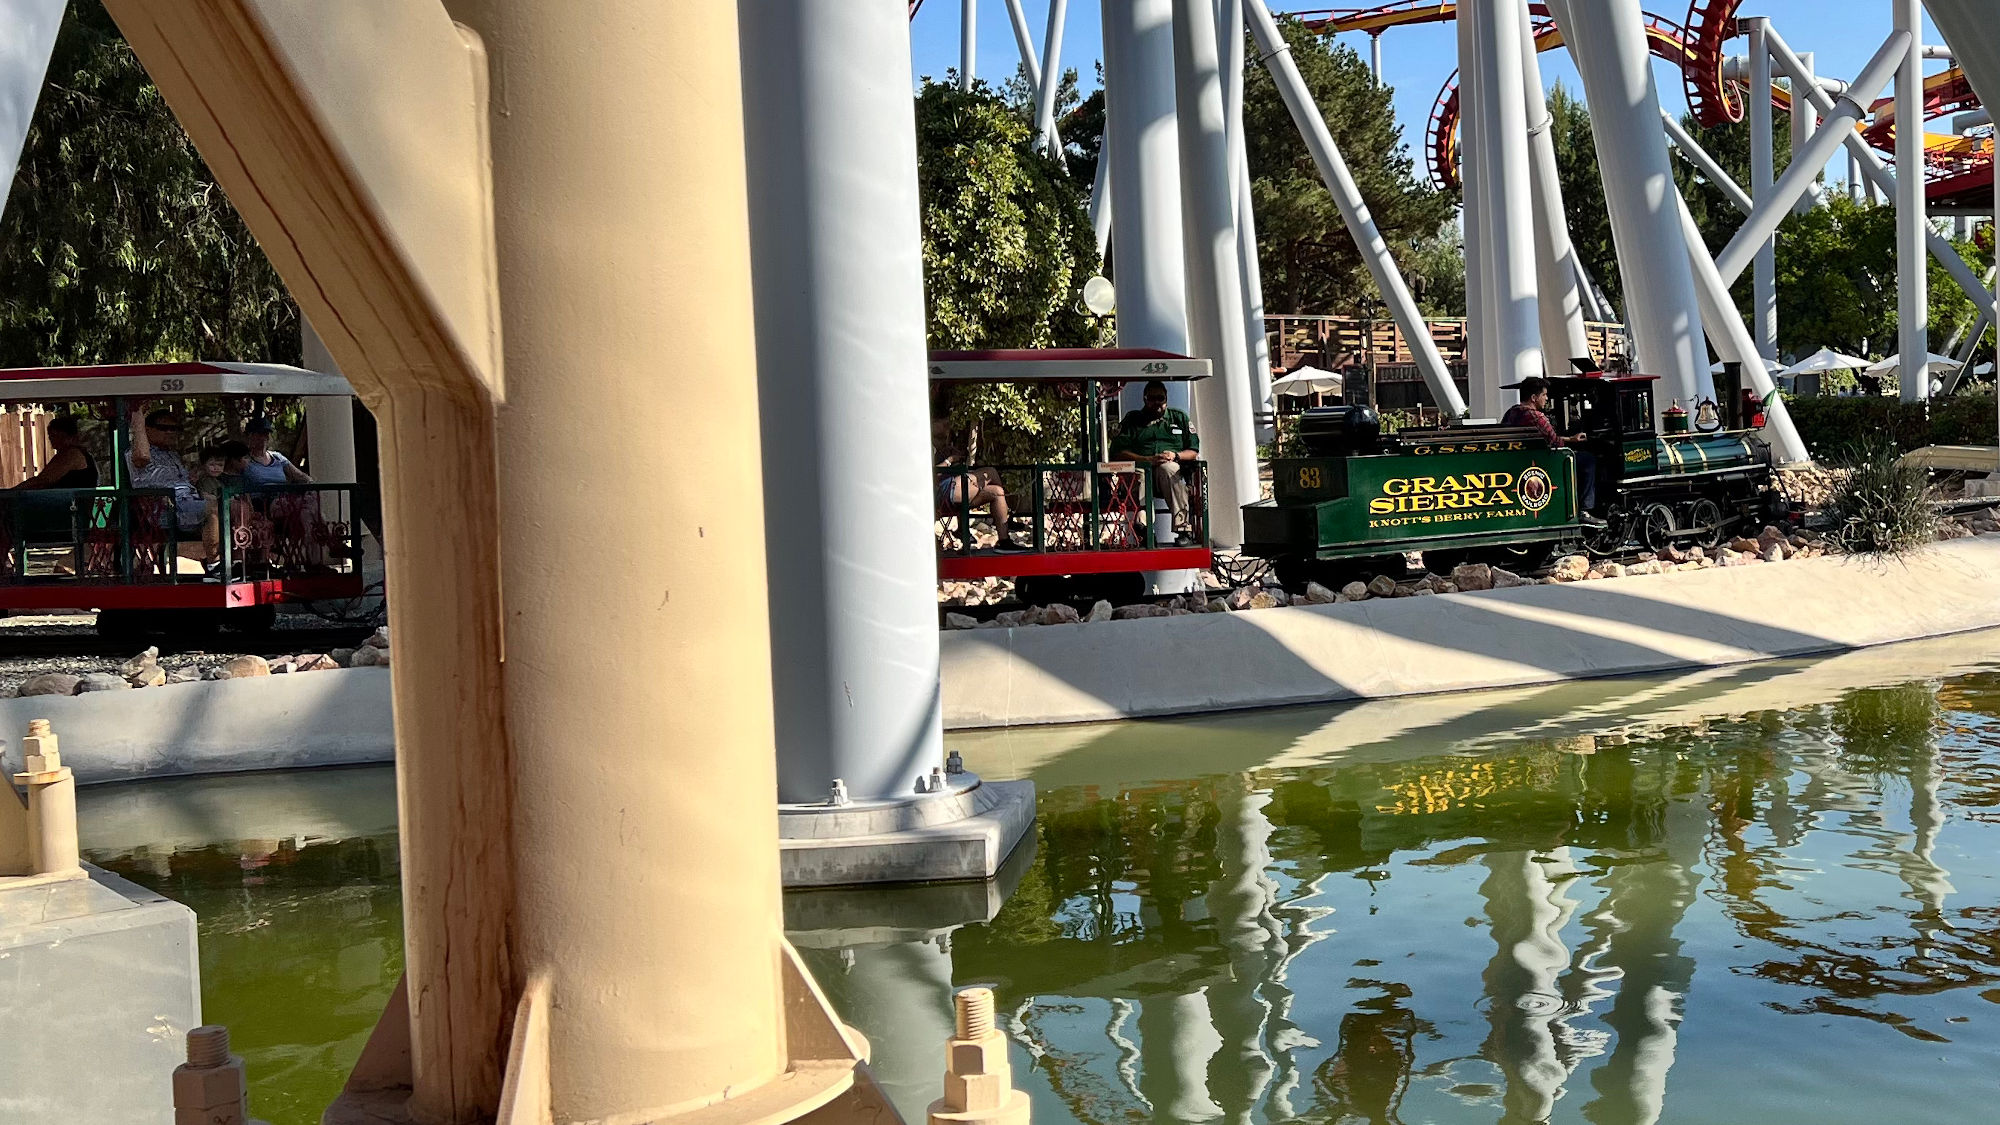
(1933,363)
(1770,365)
(1825,359)
(1307,381)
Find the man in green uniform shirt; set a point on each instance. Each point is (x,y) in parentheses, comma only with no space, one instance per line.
(1162,437)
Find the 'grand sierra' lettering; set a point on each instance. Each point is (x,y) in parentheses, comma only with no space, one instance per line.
(1438,494)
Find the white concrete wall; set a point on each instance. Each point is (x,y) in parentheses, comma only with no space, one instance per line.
(333,718)
(1412,646)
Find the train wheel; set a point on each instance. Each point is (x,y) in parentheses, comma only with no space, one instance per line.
(1706,524)
(250,619)
(121,624)
(1657,527)
(1608,538)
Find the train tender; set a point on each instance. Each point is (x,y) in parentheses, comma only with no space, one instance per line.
(1353,500)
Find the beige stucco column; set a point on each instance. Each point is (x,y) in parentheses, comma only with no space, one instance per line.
(637,654)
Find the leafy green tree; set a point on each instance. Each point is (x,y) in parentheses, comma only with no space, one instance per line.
(1837,282)
(1007,248)
(1309,260)
(1435,269)
(117,245)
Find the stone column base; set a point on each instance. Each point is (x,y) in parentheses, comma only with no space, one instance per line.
(962,833)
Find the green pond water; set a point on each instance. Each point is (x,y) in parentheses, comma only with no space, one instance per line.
(1765,894)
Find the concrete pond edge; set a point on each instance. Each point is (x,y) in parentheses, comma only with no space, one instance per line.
(1162,666)
(1378,649)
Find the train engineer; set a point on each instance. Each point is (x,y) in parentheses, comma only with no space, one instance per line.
(1532,411)
(1158,435)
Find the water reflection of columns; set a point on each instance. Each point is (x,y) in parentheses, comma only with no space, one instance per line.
(1929,882)
(1179,1038)
(899,996)
(1241,904)
(1285,1037)
(1645,898)
(1527,908)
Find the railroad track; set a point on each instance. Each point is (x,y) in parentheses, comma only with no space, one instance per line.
(49,642)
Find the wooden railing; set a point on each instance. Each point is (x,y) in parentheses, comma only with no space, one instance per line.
(1347,343)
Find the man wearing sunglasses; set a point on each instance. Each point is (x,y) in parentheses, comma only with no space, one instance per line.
(154,461)
(1161,437)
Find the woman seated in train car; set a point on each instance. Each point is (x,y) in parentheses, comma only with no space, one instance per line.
(971,488)
(70,466)
(264,465)
(43,517)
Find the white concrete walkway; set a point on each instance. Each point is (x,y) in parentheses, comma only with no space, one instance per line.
(1499,638)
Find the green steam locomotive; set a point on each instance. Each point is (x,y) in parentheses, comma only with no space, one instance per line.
(1357,501)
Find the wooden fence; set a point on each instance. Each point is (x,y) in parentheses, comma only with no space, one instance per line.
(24,443)
(1346,344)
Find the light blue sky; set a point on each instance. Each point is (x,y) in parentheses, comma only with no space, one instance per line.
(1417,60)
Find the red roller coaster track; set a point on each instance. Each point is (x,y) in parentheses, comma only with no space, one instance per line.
(1697,49)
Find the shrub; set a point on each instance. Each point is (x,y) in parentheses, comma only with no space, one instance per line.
(1829,425)
(1883,505)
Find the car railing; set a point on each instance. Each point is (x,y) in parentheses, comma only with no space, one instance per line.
(117,536)
(1101,506)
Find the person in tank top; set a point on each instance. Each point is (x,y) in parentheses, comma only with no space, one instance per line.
(70,466)
(267,466)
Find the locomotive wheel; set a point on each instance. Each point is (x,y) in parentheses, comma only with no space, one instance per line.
(1707,524)
(1608,539)
(1657,527)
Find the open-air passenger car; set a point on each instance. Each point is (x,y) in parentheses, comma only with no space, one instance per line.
(1093,526)
(124,551)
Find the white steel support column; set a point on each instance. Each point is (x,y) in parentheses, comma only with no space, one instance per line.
(1516,350)
(1045,96)
(1857,190)
(1764,273)
(329,420)
(1660,302)
(1100,194)
(1375,57)
(1145,183)
(1805,121)
(1224,411)
(1776,201)
(842,390)
(27,38)
(1559,300)
(1880,179)
(1277,58)
(1024,44)
(1912,265)
(1700,158)
(1229,28)
(1733,341)
(1472,216)
(1252,273)
(968,42)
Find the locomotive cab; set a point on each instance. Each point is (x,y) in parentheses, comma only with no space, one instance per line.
(1615,415)
(1706,475)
